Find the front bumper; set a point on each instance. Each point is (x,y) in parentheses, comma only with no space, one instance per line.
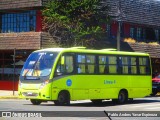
(33,94)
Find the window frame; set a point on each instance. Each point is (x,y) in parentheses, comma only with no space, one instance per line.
(118,64)
(85,63)
(18,22)
(59,64)
(129,65)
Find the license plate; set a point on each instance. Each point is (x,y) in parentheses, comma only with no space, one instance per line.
(29,93)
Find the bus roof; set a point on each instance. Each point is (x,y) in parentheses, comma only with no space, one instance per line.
(101,51)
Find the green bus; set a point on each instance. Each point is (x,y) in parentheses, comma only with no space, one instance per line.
(62,75)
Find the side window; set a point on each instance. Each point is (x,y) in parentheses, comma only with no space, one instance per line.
(86,63)
(65,65)
(107,64)
(144,67)
(90,63)
(81,63)
(125,64)
(69,64)
(112,64)
(133,65)
(102,64)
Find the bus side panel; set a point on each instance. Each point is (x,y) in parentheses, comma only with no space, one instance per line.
(90,86)
(74,85)
(140,86)
(80,94)
(101,86)
(102,93)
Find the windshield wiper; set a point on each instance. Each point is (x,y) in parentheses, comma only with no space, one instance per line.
(34,66)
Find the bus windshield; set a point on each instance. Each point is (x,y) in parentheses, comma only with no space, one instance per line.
(39,64)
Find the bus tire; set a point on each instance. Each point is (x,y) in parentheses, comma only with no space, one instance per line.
(122,97)
(63,98)
(35,101)
(97,101)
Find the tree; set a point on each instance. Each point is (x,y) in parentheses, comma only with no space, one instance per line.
(75,22)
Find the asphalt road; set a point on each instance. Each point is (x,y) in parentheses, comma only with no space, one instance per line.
(146,108)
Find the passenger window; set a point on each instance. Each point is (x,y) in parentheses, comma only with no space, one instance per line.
(133,65)
(112,64)
(81,63)
(102,64)
(112,69)
(143,63)
(90,63)
(107,64)
(125,65)
(69,64)
(86,64)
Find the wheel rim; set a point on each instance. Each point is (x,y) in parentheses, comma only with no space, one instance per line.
(122,98)
(61,99)
(64,98)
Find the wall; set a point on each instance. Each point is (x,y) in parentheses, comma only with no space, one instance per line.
(15,4)
(8,85)
(39,21)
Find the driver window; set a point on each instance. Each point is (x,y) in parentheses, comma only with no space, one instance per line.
(65,65)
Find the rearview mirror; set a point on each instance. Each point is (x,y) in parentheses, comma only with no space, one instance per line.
(62,60)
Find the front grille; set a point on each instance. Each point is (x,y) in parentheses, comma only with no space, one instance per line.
(30,94)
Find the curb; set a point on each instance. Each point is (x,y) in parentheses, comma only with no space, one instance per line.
(9,97)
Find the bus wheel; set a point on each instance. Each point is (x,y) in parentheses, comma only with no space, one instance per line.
(122,97)
(63,98)
(35,102)
(97,102)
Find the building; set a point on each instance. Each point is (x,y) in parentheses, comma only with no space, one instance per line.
(21,32)
(140,26)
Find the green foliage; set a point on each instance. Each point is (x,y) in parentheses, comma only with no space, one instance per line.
(75,21)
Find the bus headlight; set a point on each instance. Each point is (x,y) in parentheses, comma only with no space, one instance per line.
(43,84)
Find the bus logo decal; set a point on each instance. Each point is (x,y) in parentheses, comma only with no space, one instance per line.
(69,82)
(109,81)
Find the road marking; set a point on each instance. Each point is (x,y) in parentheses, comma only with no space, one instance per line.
(81,101)
(151,108)
(136,106)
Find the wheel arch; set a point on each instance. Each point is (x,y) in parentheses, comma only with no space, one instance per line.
(66,92)
(125,90)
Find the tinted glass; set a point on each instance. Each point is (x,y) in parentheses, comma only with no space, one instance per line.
(39,64)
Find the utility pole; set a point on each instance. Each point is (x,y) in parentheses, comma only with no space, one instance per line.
(119,12)
(14,71)
(118,36)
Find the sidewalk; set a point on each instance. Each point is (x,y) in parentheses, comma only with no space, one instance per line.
(6,94)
